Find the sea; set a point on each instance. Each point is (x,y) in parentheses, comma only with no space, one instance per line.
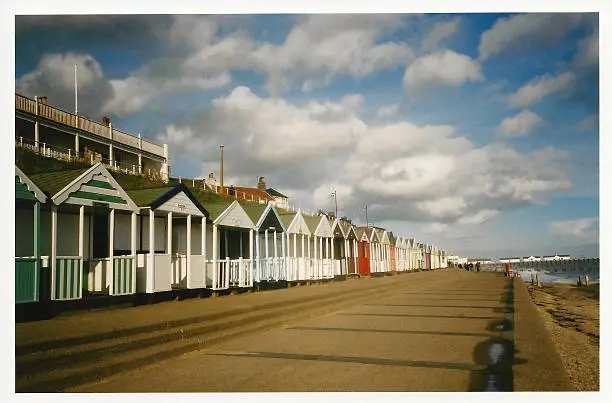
(564,272)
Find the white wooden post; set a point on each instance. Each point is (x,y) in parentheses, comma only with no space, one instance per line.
(133,250)
(214,256)
(111,252)
(284,254)
(81,229)
(169,236)
(188,250)
(53,248)
(315,260)
(250,272)
(333,257)
(267,262)
(151,269)
(256,263)
(203,246)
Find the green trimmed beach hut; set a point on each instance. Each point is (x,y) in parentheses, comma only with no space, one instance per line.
(28,199)
(86,206)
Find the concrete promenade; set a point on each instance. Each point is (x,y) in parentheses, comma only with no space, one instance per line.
(447,330)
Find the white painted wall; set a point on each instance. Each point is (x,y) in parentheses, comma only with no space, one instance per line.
(237,217)
(180,203)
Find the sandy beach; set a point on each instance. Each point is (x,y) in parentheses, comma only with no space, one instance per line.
(571,314)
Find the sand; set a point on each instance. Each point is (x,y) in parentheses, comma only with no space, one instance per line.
(571,314)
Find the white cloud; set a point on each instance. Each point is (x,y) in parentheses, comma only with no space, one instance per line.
(588,52)
(53,77)
(541,87)
(589,123)
(315,51)
(520,124)
(479,218)
(441,31)
(387,111)
(582,229)
(324,46)
(134,93)
(443,68)
(535,30)
(403,171)
(436,227)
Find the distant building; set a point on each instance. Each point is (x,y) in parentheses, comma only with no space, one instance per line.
(515,259)
(280,200)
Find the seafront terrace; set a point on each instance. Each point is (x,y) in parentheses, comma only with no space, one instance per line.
(56,133)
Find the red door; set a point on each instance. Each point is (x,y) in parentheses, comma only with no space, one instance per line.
(363,258)
(428,260)
(392,253)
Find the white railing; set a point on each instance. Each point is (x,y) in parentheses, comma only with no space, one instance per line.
(152,148)
(328,270)
(240,273)
(127,138)
(293,268)
(179,271)
(67,278)
(124,275)
(271,269)
(66,118)
(25,104)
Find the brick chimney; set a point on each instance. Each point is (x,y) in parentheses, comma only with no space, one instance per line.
(261,184)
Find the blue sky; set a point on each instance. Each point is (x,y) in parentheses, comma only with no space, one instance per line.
(475,132)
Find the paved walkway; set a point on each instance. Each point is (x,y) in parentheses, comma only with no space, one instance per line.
(442,331)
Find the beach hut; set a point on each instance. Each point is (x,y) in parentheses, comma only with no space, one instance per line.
(269,263)
(297,233)
(320,245)
(375,250)
(171,239)
(363,251)
(87,209)
(352,246)
(345,249)
(399,253)
(415,254)
(392,251)
(384,250)
(405,253)
(428,250)
(232,245)
(341,249)
(28,200)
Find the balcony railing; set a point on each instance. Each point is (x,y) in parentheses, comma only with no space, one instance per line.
(49,112)
(67,154)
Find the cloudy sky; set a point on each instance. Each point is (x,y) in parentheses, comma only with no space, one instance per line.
(476,132)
